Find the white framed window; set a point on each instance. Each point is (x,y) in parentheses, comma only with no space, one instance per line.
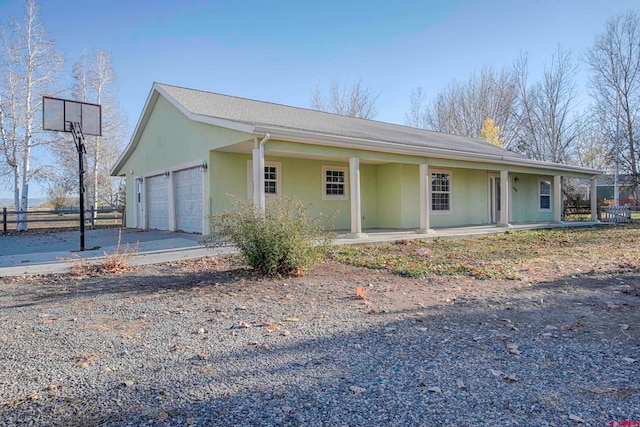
(334,183)
(440,191)
(544,195)
(272,179)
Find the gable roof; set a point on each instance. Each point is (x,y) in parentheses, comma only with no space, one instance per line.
(306,125)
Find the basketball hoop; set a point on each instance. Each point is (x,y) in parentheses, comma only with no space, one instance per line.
(77,118)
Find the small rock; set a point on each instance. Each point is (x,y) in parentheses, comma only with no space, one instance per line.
(434,390)
(201,331)
(460,385)
(576,418)
(127,383)
(356,390)
(286,333)
(244,325)
(203,356)
(357,346)
(242,307)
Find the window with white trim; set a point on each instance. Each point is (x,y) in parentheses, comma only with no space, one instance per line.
(441,191)
(544,195)
(272,179)
(334,183)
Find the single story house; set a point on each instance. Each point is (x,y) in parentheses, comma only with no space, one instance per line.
(193,151)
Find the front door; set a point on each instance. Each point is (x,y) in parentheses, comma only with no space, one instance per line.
(494,198)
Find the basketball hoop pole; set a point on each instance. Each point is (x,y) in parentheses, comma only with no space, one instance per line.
(78,138)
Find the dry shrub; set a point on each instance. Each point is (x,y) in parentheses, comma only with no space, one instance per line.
(282,240)
(117,262)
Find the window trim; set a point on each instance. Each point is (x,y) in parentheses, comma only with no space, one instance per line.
(431,192)
(323,178)
(278,167)
(550,195)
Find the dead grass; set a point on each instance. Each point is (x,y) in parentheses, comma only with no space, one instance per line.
(500,256)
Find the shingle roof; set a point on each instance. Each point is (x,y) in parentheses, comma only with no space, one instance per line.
(265,114)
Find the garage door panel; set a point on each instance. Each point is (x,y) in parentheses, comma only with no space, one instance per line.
(157,202)
(188,186)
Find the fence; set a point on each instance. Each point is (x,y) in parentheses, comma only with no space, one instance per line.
(615,214)
(37,218)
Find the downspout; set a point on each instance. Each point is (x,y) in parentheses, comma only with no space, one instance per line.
(258,172)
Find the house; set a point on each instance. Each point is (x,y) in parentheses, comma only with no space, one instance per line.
(606,190)
(191,151)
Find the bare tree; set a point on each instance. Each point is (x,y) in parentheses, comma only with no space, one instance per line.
(462,108)
(614,60)
(417,115)
(548,127)
(593,145)
(353,101)
(94,81)
(28,71)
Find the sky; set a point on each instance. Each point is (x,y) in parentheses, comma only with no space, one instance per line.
(280,51)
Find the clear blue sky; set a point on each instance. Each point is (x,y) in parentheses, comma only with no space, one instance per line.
(279,51)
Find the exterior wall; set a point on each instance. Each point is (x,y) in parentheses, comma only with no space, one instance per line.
(524,199)
(469,198)
(301,179)
(171,139)
(398,192)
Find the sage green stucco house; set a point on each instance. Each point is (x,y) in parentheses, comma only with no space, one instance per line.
(191,150)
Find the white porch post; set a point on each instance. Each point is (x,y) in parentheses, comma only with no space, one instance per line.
(356,209)
(258,176)
(557,198)
(505,200)
(425,200)
(594,200)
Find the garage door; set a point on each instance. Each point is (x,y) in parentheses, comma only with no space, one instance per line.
(157,202)
(189,214)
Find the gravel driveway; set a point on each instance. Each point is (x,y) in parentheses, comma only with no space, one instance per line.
(206,343)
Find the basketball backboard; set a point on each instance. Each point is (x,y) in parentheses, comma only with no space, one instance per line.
(58,115)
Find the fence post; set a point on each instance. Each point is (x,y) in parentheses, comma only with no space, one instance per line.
(4,220)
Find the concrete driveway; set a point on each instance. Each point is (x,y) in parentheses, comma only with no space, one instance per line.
(40,254)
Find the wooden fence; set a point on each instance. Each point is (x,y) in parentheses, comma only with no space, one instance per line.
(615,214)
(38,218)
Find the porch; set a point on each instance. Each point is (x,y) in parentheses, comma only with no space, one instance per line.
(379,235)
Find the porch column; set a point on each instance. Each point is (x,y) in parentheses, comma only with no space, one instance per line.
(425,200)
(258,176)
(594,200)
(356,209)
(505,200)
(557,198)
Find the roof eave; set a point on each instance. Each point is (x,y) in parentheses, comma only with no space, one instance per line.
(397,148)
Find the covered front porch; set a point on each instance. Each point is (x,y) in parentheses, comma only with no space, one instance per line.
(371,191)
(376,235)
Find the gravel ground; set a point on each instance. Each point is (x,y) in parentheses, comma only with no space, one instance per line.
(206,343)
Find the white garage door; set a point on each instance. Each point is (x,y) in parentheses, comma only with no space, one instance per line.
(189,214)
(157,202)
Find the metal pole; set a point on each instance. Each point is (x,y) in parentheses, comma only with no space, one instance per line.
(4,220)
(78,137)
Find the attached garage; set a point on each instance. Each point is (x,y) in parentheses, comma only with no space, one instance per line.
(188,199)
(157,198)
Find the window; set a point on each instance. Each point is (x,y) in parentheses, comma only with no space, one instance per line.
(272,179)
(544,188)
(441,191)
(334,183)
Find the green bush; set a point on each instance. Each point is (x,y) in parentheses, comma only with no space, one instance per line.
(282,240)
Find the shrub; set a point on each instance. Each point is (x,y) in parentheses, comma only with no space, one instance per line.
(282,240)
